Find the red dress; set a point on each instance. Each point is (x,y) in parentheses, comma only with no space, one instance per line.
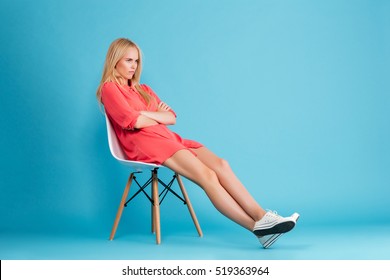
(153,144)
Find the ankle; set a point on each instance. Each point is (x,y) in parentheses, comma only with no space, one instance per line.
(260,215)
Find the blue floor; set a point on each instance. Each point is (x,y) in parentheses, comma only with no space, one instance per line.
(303,243)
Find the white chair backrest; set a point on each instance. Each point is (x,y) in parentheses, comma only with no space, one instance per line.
(117,152)
(113,142)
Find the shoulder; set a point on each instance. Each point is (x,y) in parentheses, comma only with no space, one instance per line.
(110,86)
(111,91)
(146,88)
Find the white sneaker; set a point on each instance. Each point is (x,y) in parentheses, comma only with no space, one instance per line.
(272,223)
(268,240)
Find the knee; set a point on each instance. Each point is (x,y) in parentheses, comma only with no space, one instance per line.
(222,166)
(209,176)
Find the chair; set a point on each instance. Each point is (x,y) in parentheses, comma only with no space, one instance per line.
(154,180)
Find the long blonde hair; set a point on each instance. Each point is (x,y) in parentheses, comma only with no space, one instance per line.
(115,52)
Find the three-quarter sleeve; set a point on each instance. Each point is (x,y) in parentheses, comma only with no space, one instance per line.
(117,107)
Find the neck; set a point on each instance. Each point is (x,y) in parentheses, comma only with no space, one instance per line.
(124,82)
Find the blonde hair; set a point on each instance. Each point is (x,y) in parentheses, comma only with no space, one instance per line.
(115,52)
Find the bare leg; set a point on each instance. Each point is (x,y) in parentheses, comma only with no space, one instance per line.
(231,183)
(189,166)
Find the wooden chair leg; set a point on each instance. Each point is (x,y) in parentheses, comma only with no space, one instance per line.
(189,205)
(121,206)
(153,223)
(156,207)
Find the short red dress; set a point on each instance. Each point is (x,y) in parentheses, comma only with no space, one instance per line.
(153,144)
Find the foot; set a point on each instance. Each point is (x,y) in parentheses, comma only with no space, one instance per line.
(268,240)
(272,223)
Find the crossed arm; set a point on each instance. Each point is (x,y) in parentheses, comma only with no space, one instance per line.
(163,115)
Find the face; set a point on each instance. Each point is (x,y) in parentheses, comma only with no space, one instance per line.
(127,65)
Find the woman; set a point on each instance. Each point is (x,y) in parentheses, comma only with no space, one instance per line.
(140,122)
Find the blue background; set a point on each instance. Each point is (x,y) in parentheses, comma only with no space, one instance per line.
(294,94)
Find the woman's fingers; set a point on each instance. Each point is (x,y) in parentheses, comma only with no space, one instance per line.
(163,107)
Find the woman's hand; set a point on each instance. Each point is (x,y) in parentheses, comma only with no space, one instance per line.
(163,107)
(163,115)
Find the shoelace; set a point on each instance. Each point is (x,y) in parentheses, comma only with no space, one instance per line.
(274,214)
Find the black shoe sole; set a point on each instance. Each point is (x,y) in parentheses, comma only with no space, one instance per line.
(275,237)
(279,228)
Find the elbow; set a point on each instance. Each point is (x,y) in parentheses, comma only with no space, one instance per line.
(171,121)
